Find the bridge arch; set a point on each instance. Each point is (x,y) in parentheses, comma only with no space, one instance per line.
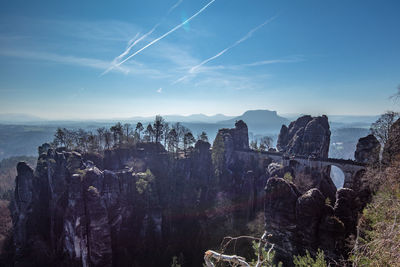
(337,176)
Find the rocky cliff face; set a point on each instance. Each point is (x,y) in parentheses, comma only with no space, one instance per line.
(307,136)
(140,206)
(391,151)
(300,222)
(368,149)
(136,206)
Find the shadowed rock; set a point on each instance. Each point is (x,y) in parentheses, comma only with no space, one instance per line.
(391,151)
(368,149)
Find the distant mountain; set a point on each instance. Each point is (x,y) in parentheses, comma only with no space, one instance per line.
(260,120)
(194,118)
(12,118)
(353,118)
(197,118)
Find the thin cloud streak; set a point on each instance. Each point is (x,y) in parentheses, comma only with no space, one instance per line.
(132,42)
(292,59)
(241,40)
(174,6)
(167,33)
(80,61)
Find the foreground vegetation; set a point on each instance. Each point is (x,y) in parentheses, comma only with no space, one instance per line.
(379,228)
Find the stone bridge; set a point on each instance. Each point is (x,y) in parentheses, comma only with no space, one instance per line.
(350,168)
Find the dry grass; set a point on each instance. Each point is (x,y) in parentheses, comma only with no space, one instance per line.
(378,243)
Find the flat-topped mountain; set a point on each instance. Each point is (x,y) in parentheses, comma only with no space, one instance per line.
(259,119)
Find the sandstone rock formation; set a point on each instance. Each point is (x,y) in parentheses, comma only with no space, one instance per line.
(307,136)
(280,217)
(368,149)
(391,151)
(123,207)
(70,211)
(300,222)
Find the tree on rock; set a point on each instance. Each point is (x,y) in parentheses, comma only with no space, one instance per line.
(60,137)
(203,137)
(149,133)
(117,132)
(188,141)
(139,129)
(380,129)
(265,143)
(158,126)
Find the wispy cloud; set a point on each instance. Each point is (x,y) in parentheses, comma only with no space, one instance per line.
(241,40)
(134,41)
(159,90)
(293,59)
(166,34)
(193,69)
(82,61)
(289,59)
(175,6)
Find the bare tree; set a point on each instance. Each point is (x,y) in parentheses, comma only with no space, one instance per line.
(139,128)
(100,133)
(117,132)
(107,138)
(234,260)
(254,144)
(265,143)
(158,126)
(93,144)
(173,140)
(60,137)
(149,133)
(188,140)
(166,130)
(203,137)
(127,131)
(381,127)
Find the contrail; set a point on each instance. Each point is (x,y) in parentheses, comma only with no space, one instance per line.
(132,43)
(128,49)
(244,38)
(166,34)
(174,6)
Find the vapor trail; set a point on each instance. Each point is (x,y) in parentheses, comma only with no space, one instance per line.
(166,34)
(114,63)
(244,38)
(134,42)
(174,6)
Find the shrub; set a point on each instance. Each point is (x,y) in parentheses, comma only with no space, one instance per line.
(144,179)
(308,261)
(288,177)
(379,228)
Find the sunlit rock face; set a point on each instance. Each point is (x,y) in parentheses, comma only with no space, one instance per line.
(368,149)
(308,137)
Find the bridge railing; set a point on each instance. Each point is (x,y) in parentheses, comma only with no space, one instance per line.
(288,156)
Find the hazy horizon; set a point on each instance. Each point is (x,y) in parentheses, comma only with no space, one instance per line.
(33,117)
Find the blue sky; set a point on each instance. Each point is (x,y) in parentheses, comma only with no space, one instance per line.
(317,57)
